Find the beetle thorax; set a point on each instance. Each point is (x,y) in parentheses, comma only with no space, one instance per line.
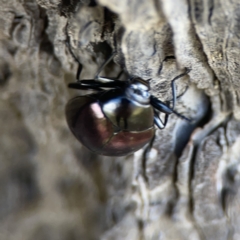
(138,90)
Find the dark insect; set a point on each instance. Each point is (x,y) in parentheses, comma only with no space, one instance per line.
(120,120)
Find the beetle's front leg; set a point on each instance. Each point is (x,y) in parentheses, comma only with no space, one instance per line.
(157,120)
(164,108)
(160,106)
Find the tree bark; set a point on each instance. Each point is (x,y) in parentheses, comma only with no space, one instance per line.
(186,186)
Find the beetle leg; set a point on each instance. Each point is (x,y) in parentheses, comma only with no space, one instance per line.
(104,65)
(79,72)
(160,106)
(177,97)
(76,59)
(181,116)
(163,107)
(107,80)
(145,158)
(96,85)
(157,120)
(69,46)
(120,74)
(173,86)
(104,79)
(78,85)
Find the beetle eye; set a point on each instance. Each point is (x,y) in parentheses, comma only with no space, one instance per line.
(133,87)
(146,94)
(137,91)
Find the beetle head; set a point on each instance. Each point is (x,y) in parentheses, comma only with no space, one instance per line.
(138,90)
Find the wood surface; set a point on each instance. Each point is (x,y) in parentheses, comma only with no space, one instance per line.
(186,187)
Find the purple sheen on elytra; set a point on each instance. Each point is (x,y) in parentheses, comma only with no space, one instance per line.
(125,142)
(96,132)
(91,127)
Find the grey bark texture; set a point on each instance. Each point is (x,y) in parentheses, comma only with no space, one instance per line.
(186,187)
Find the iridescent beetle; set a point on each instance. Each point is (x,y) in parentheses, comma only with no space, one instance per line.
(118,121)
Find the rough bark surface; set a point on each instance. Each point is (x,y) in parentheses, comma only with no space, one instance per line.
(186,187)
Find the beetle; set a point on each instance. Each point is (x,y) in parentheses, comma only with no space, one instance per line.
(119,118)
